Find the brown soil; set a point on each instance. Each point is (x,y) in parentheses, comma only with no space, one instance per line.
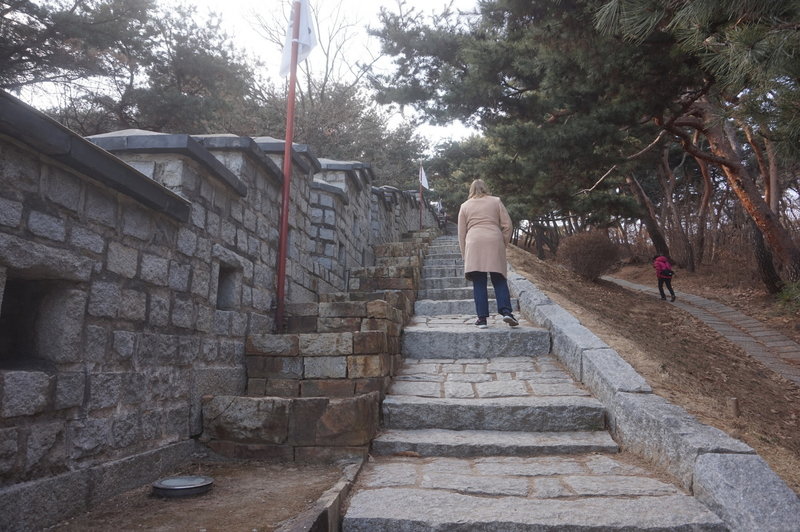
(684,360)
(246,496)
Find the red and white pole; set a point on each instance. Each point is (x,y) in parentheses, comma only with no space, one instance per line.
(287,172)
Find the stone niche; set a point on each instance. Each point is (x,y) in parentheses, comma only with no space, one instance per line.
(40,324)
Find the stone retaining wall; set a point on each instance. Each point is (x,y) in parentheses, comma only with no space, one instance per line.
(722,472)
(128,290)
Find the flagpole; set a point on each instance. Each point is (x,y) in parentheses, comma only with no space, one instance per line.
(287,170)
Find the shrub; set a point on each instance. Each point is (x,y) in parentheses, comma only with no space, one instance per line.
(789,297)
(590,255)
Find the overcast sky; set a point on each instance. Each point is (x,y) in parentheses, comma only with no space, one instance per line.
(238,18)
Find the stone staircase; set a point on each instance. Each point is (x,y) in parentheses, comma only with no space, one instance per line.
(485,430)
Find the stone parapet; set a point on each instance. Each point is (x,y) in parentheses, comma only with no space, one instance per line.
(302,429)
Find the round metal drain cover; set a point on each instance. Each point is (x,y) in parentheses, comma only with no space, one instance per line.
(184,486)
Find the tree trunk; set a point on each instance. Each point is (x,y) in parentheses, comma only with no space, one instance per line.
(766,268)
(777,237)
(668,186)
(702,211)
(648,216)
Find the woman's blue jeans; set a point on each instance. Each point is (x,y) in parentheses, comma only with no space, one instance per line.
(480,292)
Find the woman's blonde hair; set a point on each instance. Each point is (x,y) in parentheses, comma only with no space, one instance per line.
(478,189)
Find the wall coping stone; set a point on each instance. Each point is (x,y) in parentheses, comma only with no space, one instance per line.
(301,153)
(140,141)
(244,144)
(41,133)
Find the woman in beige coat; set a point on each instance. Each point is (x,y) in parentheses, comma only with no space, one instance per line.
(484,229)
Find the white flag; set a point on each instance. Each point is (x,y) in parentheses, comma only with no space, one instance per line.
(423,179)
(306,40)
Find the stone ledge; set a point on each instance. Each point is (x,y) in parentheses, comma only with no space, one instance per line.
(40,503)
(745,493)
(325,514)
(724,473)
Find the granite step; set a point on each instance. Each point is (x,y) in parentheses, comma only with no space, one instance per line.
(451,502)
(433,261)
(452,307)
(427,337)
(430,272)
(446,253)
(469,443)
(438,283)
(440,294)
(513,414)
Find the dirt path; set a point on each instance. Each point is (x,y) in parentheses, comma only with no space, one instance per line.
(684,360)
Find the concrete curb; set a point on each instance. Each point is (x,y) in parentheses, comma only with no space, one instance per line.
(325,514)
(723,473)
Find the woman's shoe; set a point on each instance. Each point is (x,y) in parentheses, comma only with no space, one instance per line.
(511,320)
(672,299)
(481,323)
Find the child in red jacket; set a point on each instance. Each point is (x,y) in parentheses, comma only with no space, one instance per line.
(664,275)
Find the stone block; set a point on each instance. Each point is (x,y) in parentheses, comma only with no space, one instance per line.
(327,388)
(301,324)
(326,344)
(330,454)
(360,366)
(338,324)
(282,388)
(86,239)
(183,313)
(46,226)
(570,341)
(38,504)
(379,309)
(105,389)
(70,388)
(253,451)
(101,207)
(325,367)
(155,269)
(136,222)
(666,434)
(23,254)
(10,212)
(256,387)
(87,437)
(246,419)
(372,384)
(133,306)
(60,319)
(125,430)
(343,309)
(9,447)
(179,276)
(304,419)
(371,342)
(45,447)
(605,373)
(187,240)
(25,393)
(273,344)
(349,421)
(122,260)
(549,316)
(104,299)
(745,493)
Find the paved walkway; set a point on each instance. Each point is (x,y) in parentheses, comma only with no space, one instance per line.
(484,429)
(771,348)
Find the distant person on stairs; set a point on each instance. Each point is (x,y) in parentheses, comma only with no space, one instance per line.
(484,229)
(664,275)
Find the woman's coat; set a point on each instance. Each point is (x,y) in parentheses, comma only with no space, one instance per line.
(484,229)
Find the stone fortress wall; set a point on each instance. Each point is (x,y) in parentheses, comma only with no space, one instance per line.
(133,266)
